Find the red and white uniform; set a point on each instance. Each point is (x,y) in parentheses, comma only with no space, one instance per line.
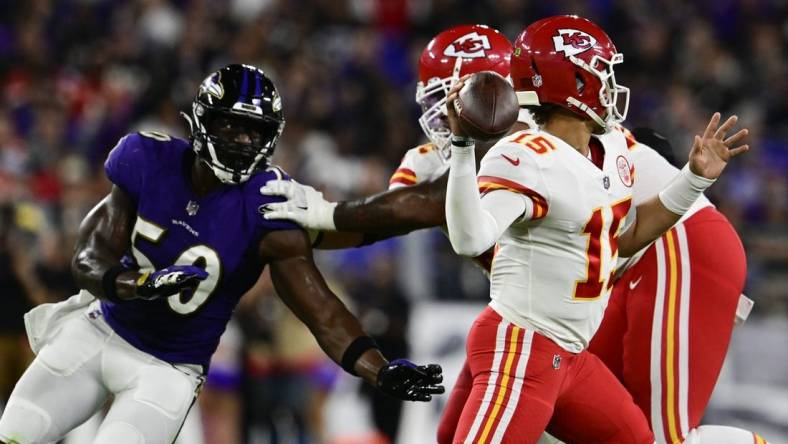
(420,164)
(549,289)
(566,245)
(634,339)
(666,330)
(665,340)
(657,172)
(572,254)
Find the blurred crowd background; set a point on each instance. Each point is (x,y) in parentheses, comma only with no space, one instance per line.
(76,75)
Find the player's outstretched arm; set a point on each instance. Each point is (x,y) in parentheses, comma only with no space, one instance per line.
(103,238)
(396,211)
(386,214)
(301,286)
(709,155)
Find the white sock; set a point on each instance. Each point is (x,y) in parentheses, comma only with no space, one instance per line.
(714,434)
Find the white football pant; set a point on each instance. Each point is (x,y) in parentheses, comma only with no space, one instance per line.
(75,373)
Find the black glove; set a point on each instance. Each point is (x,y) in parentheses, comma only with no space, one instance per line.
(169,281)
(405,380)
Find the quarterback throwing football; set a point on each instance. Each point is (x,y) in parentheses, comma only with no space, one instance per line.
(557,202)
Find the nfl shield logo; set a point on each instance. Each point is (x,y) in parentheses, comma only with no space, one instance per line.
(606,182)
(556,361)
(192,207)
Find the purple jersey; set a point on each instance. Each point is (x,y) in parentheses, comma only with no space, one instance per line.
(220,232)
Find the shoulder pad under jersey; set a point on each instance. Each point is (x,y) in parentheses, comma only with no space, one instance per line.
(420,164)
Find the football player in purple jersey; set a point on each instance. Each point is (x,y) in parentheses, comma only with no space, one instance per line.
(162,262)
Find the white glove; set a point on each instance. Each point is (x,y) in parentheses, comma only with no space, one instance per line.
(304,205)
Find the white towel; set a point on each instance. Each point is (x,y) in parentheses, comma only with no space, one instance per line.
(743,309)
(43,322)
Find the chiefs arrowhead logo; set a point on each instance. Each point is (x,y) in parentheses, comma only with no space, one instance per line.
(573,41)
(625,171)
(469,46)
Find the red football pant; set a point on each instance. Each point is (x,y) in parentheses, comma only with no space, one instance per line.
(524,383)
(451,413)
(669,321)
(634,338)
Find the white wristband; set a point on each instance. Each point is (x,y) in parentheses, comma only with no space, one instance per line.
(683,191)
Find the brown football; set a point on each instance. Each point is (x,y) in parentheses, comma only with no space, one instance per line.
(486,106)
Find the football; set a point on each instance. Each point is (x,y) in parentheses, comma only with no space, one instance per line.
(486,106)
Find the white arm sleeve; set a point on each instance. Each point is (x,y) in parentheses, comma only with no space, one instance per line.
(475,224)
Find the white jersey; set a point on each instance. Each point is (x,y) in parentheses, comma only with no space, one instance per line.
(425,163)
(553,267)
(420,164)
(655,174)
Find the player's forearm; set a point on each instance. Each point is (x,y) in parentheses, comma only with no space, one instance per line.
(396,211)
(303,290)
(652,220)
(335,328)
(472,231)
(659,214)
(89,268)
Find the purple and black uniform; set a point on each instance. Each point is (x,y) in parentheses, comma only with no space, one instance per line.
(220,231)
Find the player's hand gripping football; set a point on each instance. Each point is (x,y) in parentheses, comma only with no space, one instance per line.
(454,119)
(405,380)
(711,152)
(169,281)
(304,205)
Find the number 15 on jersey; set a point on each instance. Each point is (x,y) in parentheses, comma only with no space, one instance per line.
(594,284)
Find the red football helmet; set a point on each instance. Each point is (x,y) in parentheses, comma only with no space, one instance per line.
(567,60)
(453,53)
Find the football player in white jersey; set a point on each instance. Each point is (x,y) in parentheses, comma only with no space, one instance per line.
(416,199)
(555,201)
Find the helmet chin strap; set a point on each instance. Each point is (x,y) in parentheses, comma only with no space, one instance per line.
(188,120)
(223,176)
(586,109)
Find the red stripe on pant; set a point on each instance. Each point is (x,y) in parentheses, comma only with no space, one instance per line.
(575,393)
(715,277)
(506,381)
(486,406)
(669,371)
